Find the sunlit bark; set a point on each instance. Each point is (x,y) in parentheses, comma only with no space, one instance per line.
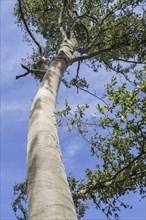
(49,196)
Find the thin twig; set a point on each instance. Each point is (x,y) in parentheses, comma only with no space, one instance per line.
(130,61)
(94,95)
(118,71)
(93,19)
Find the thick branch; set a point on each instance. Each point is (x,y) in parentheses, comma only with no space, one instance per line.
(77,22)
(63,32)
(91,55)
(86,31)
(77,74)
(27,28)
(126,167)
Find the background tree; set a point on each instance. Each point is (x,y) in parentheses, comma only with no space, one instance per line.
(93,33)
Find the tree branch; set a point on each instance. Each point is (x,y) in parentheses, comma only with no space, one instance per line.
(93,19)
(22,75)
(27,28)
(78,69)
(63,32)
(78,22)
(131,61)
(126,167)
(94,95)
(25,67)
(118,71)
(109,182)
(35,71)
(114,9)
(86,30)
(77,74)
(88,56)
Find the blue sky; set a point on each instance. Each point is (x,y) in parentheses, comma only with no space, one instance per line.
(16,96)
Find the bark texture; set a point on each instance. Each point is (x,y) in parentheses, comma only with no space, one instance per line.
(49,196)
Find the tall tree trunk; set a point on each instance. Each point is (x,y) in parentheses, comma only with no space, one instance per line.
(49,196)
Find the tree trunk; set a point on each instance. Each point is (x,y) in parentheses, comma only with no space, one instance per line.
(49,196)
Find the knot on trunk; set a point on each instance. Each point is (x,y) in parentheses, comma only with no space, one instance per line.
(68,48)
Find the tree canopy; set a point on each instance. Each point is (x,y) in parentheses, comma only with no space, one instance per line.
(109,34)
(106,31)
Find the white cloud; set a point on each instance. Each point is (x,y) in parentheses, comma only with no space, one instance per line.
(13,106)
(17,110)
(74,149)
(72,146)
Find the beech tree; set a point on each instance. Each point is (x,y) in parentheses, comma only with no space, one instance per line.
(92,33)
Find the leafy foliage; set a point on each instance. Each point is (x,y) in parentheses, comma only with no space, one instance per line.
(20,203)
(118,143)
(106,31)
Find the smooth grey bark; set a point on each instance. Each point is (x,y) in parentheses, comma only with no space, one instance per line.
(49,196)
